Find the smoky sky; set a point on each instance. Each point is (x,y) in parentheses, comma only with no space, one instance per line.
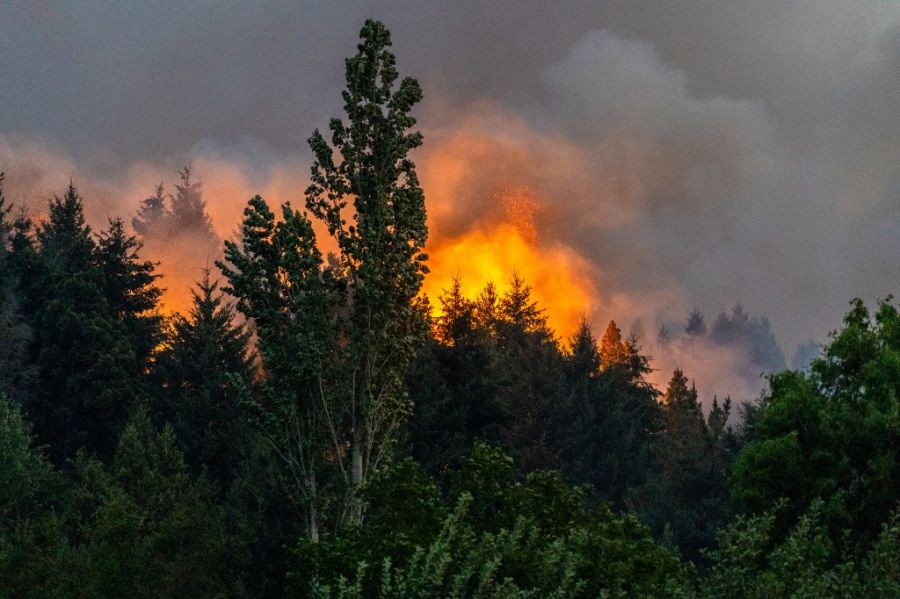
(698,153)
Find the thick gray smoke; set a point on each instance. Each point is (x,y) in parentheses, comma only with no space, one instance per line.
(696,154)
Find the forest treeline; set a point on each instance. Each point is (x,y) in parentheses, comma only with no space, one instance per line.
(308,428)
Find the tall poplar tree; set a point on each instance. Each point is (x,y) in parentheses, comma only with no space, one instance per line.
(381,257)
(336,340)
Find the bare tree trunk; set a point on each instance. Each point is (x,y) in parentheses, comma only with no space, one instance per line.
(312,525)
(357,478)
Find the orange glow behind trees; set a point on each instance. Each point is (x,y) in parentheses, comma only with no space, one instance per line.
(492,252)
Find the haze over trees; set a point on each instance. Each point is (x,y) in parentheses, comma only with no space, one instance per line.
(310,426)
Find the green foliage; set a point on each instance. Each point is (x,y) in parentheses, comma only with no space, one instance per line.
(381,262)
(16,373)
(169,465)
(145,509)
(90,303)
(33,550)
(504,538)
(833,434)
(685,498)
(750,563)
(336,341)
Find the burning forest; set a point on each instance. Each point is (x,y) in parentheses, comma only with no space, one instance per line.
(611,317)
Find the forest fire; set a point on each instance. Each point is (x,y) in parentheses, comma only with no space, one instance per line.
(222,382)
(496,252)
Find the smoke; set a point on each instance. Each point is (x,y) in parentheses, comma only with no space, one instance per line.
(185,238)
(636,161)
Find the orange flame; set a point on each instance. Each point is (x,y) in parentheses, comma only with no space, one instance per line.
(559,276)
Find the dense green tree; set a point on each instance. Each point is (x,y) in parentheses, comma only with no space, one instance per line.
(148,528)
(16,371)
(504,538)
(584,357)
(684,497)
(83,355)
(206,360)
(276,274)
(831,434)
(129,286)
(753,561)
(361,312)
(34,552)
(453,385)
(381,253)
(609,418)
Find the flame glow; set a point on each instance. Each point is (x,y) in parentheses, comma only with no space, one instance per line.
(510,244)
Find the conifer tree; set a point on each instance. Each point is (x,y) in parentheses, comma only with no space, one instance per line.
(695,326)
(16,373)
(130,289)
(457,320)
(82,390)
(152,213)
(91,307)
(152,529)
(205,352)
(614,351)
(188,210)
(519,309)
(584,355)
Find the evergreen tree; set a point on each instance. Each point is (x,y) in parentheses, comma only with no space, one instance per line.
(519,310)
(663,336)
(457,323)
(16,372)
(91,308)
(82,356)
(754,336)
(189,209)
(130,290)
(148,528)
(695,326)
(206,350)
(614,351)
(454,384)
(153,212)
(685,497)
(34,556)
(584,355)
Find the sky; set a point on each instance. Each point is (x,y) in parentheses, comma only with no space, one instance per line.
(662,155)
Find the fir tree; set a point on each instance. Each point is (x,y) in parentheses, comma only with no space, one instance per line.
(695,326)
(614,351)
(153,213)
(188,207)
(130,289)
(584,355)
(91,310)
(16,373)
(204,355)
